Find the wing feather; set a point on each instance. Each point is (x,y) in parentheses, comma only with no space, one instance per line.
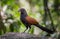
(31,20)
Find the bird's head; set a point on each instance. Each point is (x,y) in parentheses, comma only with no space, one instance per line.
(22,10)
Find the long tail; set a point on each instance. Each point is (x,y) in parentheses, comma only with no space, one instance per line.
(45,29)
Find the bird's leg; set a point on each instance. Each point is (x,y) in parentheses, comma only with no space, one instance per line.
(25,29)
(29,28)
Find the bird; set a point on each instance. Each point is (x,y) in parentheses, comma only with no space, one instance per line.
(28,21)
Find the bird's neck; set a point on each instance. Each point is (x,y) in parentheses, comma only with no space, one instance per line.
(24,15)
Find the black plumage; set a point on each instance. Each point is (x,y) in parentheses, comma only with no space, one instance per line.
(28,21)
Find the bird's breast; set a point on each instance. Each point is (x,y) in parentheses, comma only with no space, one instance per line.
(23,19)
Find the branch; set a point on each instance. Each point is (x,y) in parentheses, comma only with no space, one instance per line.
(47,11)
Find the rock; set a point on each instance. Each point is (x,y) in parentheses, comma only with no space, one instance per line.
(14,35)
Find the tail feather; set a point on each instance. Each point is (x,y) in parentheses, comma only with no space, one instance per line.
(45,29)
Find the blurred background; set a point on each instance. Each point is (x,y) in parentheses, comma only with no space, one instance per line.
(46,12)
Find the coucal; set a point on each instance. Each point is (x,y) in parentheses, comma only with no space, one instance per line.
(28,21)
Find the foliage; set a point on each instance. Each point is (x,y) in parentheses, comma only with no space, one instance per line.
(47,12)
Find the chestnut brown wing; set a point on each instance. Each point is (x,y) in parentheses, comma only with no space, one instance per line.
(31,20)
